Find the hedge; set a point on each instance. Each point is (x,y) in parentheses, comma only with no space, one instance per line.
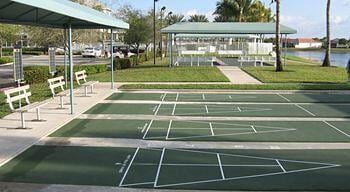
(4,60)
(123,63)
(40,74)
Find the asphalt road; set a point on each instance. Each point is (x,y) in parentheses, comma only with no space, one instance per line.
(77,59)
(6,71)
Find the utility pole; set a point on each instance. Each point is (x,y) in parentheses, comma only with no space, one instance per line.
(161,37)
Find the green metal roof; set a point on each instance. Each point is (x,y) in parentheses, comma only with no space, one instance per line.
(244,36)
(56,13)
(226,28)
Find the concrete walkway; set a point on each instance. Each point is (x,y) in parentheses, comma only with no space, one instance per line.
(238,76)
(14,141)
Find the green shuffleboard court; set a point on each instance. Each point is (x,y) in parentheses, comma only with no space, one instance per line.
(258,170)
(234,97)
(226,110)
(235,131)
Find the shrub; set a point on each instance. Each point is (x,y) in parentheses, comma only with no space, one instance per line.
(5,60)
(33,52)
(40,74)
(124,63)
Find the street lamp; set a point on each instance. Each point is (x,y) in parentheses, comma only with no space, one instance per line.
(154,31)
(161,37)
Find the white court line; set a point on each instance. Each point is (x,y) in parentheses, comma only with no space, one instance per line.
(136,184)
(280,165)
(283,97)
(177,97)
(307,111)
(127,170)
(156,113)
(174,108)
(169,127)
(336,128)
(149,126)
(164,97)
(206,109)
(203,97)
(220,165)
(252,126)
(239,109)
(211,129)
(159,167)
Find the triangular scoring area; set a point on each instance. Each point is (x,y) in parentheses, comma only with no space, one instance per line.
(208,129)
(235,109)
(225,167)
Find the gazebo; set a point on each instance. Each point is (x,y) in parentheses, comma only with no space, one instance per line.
(62,14)
(218,39)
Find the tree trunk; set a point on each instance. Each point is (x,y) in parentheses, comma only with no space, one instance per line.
(279,66)
(138,55)
(327,59)
(0,51)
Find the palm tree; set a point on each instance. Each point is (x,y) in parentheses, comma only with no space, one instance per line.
(242,11)
(175,18)
(327,59)
(279,66)
(198,18)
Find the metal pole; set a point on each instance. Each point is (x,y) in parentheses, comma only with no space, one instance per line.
(161,38)
(71,68)
(171,49)
(154,32)
(285,49)
(65,57)
(112,61)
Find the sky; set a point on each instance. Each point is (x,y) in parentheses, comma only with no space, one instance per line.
(308,17)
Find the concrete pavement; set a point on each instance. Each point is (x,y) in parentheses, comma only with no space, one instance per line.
(237,75)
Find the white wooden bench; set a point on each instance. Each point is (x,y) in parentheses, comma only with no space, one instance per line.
(59,83)
(22,93)
(81,75)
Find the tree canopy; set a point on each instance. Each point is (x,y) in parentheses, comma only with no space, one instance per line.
(198,18)
(242,11)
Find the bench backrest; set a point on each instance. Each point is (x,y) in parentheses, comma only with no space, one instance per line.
(17,94)
(57,82)
(80,75)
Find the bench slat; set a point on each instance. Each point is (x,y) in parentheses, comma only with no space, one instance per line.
(16,90)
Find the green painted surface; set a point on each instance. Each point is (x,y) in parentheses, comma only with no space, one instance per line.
(343,126)
(329,110)
(261,110)
(234,97)
(305,170)
(235,131)
(318,98)
(106,108)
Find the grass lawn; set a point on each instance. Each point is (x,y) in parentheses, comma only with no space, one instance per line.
(299,70)
(163,73)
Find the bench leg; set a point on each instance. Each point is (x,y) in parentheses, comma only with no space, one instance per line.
(23,121)
(92,89)
(86,91)
(38,118)
(61,102)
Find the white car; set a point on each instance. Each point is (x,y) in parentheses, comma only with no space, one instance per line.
(92,52)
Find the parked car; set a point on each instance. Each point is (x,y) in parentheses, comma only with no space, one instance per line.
(92,52)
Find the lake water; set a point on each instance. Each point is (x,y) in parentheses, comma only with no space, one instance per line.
(337,59)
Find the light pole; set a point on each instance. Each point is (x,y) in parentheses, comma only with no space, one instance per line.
(154,31)
(161,37)
(167,37)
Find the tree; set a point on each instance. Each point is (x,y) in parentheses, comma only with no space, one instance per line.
(198,18)
(242,11)
(327,59)
(140,31)
(8,33)
(175,18)
(279,66)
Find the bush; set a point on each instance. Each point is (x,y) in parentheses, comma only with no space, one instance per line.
(5,60)
(33,52)
(124,63)
(40,74)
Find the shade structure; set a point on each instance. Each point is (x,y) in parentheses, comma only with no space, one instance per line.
(57,14)
(63,14)
(226,28)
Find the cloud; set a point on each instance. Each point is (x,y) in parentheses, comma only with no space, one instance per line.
(338,20)
(346,2)
(208,14)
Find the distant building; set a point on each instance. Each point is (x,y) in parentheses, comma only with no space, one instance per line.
(302,43)
(339,43)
